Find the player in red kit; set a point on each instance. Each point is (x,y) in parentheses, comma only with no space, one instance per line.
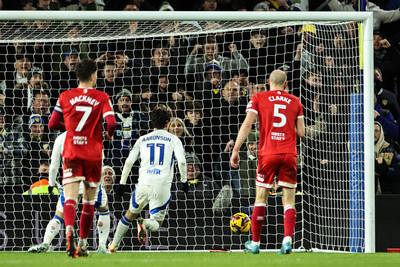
(280,117)
(83,110)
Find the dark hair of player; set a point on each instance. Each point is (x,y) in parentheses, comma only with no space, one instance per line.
(159,117)
(85,68)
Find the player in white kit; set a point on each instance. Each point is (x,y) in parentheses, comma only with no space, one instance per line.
(157,151)
(101,202)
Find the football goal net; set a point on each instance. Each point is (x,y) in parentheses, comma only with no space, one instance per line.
(204,67)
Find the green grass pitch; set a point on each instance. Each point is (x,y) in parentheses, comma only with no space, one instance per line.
(203,259)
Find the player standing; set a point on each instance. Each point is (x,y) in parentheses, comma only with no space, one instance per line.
(157,151)
(101,204)
(82,109)
(280,116)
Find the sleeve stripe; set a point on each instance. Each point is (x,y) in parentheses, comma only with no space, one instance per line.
(251,110)
(108,113)
(300,117)
(58,109)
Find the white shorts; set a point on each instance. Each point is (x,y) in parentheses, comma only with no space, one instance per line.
(100,200)
(158,198)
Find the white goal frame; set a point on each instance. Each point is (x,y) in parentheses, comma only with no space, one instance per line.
(366,60)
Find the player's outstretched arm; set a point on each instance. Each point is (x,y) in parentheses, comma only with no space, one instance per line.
(56,158)
(55,122)
(179,152)
(133,155)
(300,127)
(242,136)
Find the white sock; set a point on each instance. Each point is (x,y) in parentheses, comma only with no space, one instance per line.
(151,225)
(52,229)
(83,243)
(103,227)
(122,228)
(287,239)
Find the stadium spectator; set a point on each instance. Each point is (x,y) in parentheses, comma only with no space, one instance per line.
(274,158)
(43,4)
(386,119)
(131,124)
(28,5)
(387,164)
(386,98)
(41,106)
(196,65)
(35,147)
(195,124)
(66,78)
(177,127)
(391,64)
(108,82)
(261,53)
(209,5)
(248,165)
(74,31)
(200,186)
(7,152)
(380,16)
(225,122)
(77,5)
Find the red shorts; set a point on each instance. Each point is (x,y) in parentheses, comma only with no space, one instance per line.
(281,165)
(82,170)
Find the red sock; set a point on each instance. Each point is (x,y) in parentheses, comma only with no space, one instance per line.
(69,212)
(257,220)
(86,221)
(289,221)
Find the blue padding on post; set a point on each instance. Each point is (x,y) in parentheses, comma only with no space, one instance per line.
(356,146)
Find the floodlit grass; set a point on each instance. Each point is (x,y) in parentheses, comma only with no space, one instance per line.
(203,259)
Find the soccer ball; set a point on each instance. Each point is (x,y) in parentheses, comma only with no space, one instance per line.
(240,222)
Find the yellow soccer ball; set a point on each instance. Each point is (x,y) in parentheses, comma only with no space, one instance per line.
(240,222)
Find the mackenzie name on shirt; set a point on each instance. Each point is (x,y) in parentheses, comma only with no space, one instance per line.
(279,98)
(84,98)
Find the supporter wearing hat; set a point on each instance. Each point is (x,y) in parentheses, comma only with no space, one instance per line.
(198,182)
(36,124)
(124,101)
(71,58)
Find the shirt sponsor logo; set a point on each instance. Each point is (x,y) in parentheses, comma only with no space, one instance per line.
(277,136)
(79,140)
(154,171)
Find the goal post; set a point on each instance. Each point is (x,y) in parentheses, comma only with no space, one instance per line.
(330,221)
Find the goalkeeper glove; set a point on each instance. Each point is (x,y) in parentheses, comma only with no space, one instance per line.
(185,187)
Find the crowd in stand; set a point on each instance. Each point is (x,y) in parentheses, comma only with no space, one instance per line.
(206,82)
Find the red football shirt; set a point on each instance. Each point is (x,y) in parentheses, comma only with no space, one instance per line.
(277,114)
(83,110)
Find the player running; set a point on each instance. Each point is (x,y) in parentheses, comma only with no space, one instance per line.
(157,151)
(83,109)
(101,205)
(280,116)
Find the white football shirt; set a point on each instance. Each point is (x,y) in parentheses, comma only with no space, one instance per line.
(157,151)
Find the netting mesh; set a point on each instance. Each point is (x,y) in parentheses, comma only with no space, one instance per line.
(205,72)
